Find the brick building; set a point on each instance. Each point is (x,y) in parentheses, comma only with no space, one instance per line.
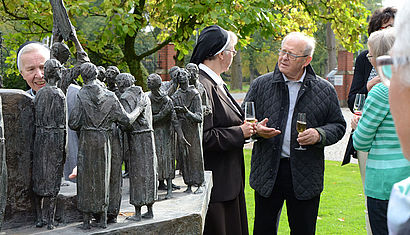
(166,60)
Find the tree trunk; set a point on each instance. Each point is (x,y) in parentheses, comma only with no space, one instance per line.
(331,49)
(134,64)
(236,80)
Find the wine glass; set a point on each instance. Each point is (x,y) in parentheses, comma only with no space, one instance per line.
(250,116)
(358,104)
(301,126)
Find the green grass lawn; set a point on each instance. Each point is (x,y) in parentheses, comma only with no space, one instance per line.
(341,209)
(245,88)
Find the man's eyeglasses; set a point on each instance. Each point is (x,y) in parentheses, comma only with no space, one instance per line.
(385,66)
(233,52)
(290,55)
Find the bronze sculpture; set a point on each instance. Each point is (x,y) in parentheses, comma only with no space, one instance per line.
(194,80)
(143,159)
(163,114)
(49,143)
(187,103)
(169,87)
(117,153)
(95,110)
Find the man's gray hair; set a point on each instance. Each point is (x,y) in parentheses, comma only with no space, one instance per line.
(401,45)
(35,46)
(310,42)
(380,42)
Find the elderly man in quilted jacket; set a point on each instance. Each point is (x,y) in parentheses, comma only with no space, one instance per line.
(279,171)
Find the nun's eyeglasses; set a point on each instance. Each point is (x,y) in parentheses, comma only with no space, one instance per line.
(291,56)
(385,66)
(233,52)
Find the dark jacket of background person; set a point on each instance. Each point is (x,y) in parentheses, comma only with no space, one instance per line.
(318,99)
(223,142)
(361,75)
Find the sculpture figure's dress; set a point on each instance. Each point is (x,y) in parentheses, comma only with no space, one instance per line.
(192,158)
(49,141)
(164,122)
(143,159)
(94,112)
(114,204)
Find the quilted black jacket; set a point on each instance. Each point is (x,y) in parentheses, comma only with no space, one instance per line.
(318,99)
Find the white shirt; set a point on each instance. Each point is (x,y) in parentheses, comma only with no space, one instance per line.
(217,79)
(293,87)
(398,211)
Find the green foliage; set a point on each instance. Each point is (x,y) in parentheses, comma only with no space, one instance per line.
(110,28)
(341,209)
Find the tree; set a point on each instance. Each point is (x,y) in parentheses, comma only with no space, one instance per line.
(118,23)
(331,49)
(236,81)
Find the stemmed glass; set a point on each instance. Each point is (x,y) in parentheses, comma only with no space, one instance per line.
(301,126)
(358,104)
(250,116)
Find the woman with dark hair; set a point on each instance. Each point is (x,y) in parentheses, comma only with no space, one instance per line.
(364,71)
(224,134)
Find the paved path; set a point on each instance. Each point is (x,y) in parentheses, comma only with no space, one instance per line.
(334,152)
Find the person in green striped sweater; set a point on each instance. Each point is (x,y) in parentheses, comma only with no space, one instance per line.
(376,134)
(397,68)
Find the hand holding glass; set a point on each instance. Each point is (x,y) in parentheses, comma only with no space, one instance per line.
(301,126)
(250,116)
(358,104)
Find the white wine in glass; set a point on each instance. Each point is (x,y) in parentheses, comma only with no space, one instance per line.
(358,104)
(250,116)
(301,126)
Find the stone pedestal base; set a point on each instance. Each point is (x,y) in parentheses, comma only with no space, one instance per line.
(182,214)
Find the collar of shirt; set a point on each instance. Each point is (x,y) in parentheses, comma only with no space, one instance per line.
(217,79)
(31,92)
(300,80)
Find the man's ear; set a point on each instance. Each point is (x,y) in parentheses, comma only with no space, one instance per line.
(308,60)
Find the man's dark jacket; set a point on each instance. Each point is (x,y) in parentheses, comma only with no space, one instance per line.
(318,99)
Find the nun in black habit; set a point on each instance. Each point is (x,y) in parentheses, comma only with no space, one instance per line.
(224,134)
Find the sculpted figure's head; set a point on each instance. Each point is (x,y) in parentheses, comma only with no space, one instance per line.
(124,80)
(52,71)
(193,71)
(101,73)
(110,74)
(183,79)
(173,73)
(88,72)
(61,52)
(154,81)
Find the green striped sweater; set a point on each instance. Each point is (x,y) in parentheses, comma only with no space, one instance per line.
(376,134)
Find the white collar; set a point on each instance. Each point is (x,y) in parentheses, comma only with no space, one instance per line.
(217,79)
(300,80)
